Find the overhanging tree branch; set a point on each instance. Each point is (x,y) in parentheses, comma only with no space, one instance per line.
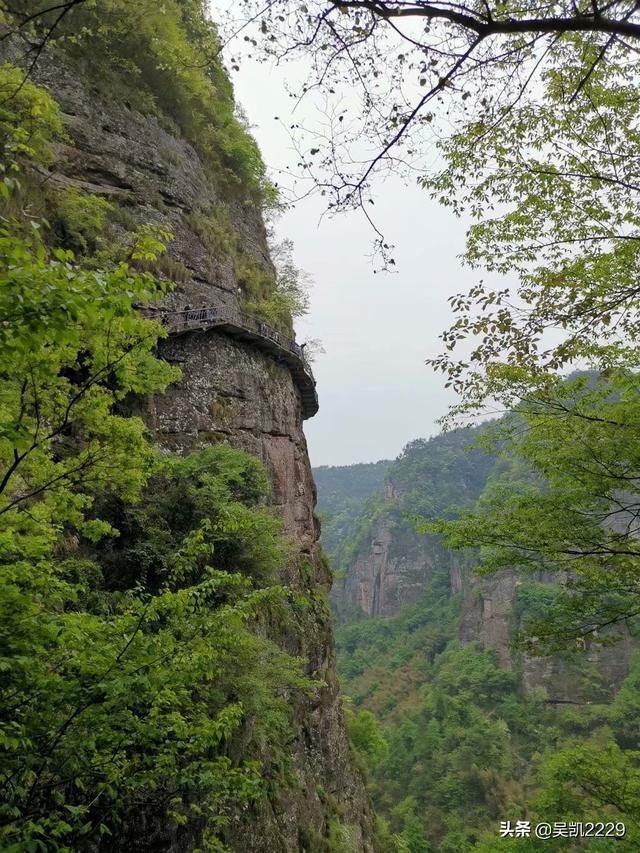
(493,24)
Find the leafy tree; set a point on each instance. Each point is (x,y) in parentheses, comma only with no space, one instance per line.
(624,710)
(136,684)
(29,119)
(367,738)
(575,515)
(122,691)
(595,777)
(412,839)
(72,347)
(533,113)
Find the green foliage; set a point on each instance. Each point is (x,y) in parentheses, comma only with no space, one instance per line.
(170,269)
(216,491)
(136,691)
(341,838)
(368,649)
(71,347)
(593,777)
(342,492)
(257,283)
(215,229)
(290,298)
(412,839)
(465,748)
(137,591)
(573,514)
(429,478)
(78,220)
(133,680)
(29,122)
(148,242)
(166,58)
(452,752)
(567,228)
(625,709)
(367,737)
(276,296)
(343,482)
(443,474)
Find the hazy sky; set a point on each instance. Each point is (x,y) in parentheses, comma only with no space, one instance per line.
(376,393)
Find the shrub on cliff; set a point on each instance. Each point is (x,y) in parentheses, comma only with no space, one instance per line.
(166,58)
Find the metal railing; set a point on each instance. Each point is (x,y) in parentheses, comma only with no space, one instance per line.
(201,318)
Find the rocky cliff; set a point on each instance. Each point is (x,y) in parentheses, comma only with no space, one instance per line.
(394,567)
(230,391)
(387,564)
(390,566)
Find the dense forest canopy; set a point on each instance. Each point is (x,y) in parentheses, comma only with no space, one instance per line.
(337,482)
(342,492)
(430,478)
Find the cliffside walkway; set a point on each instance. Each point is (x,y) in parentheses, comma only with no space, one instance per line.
(243,327)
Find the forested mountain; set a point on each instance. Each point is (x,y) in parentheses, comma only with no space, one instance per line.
(337,483)
(342,492)
(385,563)
(459,726)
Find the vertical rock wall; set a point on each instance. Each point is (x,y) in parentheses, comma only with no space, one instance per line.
(394,567)
(229,392)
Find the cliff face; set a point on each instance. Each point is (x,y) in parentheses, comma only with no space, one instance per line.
(232,392)
(393,566)
(153,176)
(489,616)
(387,564)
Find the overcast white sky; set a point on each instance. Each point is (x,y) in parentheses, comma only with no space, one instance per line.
(376,393)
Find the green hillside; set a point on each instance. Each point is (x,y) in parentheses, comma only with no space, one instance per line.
(451,741)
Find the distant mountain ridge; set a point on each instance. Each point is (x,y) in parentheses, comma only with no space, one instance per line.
(382,565)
